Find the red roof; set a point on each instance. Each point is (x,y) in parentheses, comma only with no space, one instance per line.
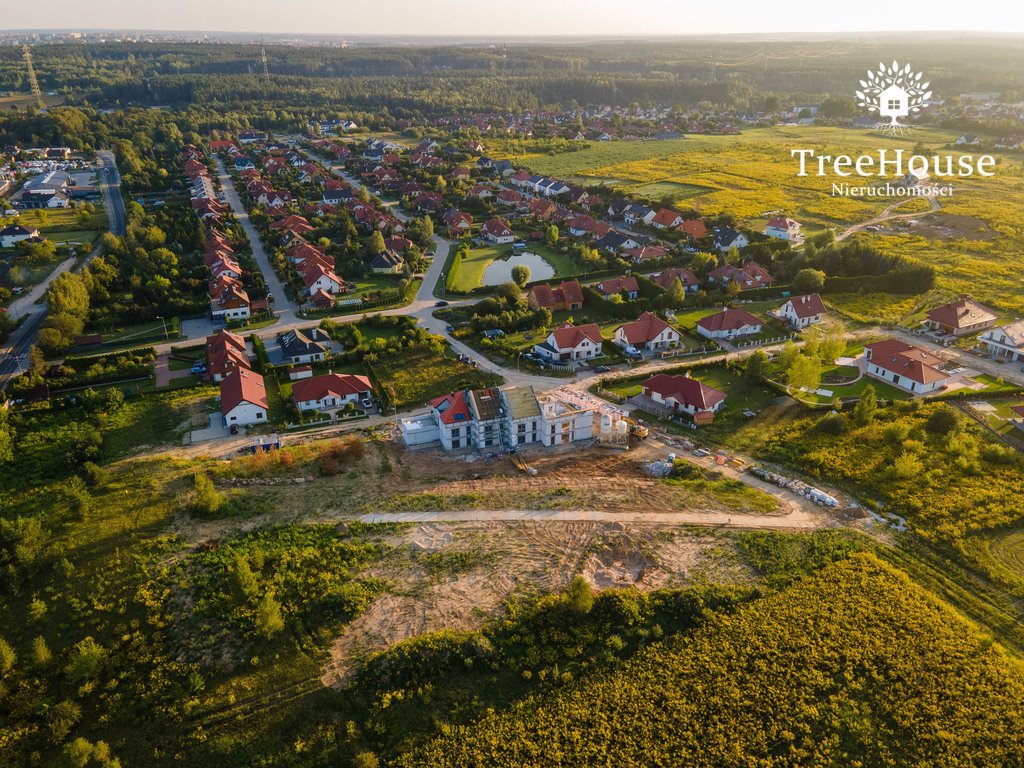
(669,276)
(293,222)
(685,391)
(317,270)
(694,228)
(614,285)
(666,217)
(569,336)
(339,384)
(914,363)
(242,386)
(807,306)
(729,320)
(452,408)
(497,228)
(645,328)
(962,314)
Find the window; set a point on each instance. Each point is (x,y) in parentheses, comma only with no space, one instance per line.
(894,104)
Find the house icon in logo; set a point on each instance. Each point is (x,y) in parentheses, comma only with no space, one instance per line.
(894,102)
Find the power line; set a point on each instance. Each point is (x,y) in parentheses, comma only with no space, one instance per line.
(33,82)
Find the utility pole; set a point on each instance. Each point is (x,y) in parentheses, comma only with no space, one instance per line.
(33,82)
(263,58)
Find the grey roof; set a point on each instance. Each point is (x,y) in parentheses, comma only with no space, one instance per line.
(304,342)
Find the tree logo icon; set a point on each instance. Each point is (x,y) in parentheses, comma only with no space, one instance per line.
(893,92)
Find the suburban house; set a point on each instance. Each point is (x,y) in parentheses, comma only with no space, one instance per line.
(644,253)
(225,353)
(728,324)
(567,295)
(498,232)
(387,263)
(961,317)
(333,390)
(912,369)
(454,420)
(1005,342)
(750,275)
(571,342)
(617,285)
(727,237)
(666,279)
(243,398)
(666,219)
(229,300)
(304,346)
(318,277)
(683,394)
(15,233)
(646,332)
(802,311)
(695,228)
(784,228)
(616,241)
(638,214)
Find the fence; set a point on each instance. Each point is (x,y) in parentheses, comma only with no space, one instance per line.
(761,342)
(1014,442)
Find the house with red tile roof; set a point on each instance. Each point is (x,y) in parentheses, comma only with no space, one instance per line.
(294,223)
(666,219)
(317,277)
(644,253)
(331,391)
(243,398)
(567,295)
(571,342)
(615,286)
(454,419)
(647,332)
(498,231)
(961,317)
(225,352)
(750,275)
(682,394)
(729,324)
(541,209)
(784,228)
(666,279)
(695,228)
(802,311)
(912,369)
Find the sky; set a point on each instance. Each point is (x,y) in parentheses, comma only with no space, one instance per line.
(516,17)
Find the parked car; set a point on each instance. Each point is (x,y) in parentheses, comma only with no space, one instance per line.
(198,369)
(601,369)
(441,304)
(367,403)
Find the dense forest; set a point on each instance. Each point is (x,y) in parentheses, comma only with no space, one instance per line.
(419,81)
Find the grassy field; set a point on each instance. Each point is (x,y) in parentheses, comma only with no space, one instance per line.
(419,375)
(747,175)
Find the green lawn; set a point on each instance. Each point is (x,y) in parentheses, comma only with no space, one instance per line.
(471,270)
(73,236)
(418,375)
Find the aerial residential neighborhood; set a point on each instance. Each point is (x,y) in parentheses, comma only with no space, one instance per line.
(417,385)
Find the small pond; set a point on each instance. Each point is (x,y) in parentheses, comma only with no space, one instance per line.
(500,270)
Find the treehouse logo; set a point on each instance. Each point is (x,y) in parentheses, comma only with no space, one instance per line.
(893,92)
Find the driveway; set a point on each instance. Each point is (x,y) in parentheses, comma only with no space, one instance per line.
(215,431)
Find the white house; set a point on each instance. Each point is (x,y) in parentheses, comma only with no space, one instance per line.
(498,232)
(682,394)
(243,398)
(648,332)
(728,324)
(1005,342)
(912,369)
(784,228)
(571,342)
(326,393)
(563,421)
(802,311)
(15,233)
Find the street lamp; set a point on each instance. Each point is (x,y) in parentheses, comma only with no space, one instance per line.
(164,324)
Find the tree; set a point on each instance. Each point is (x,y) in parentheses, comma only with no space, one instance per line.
(61,718)
(85,661)
(268,620)
(809,281)
(365,760)
(7,657)
(245,579)
(866,407)
(580,595)
(756,370)
(41,655)
(6,439)
(804,373)
(376,243)
(837,107)
(789,353)
(207,500)
(945,420)
(521,274)
(704,262)
(831,347)
(552,236)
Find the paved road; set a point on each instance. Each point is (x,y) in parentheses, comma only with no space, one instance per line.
(30,304)
(284,307)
